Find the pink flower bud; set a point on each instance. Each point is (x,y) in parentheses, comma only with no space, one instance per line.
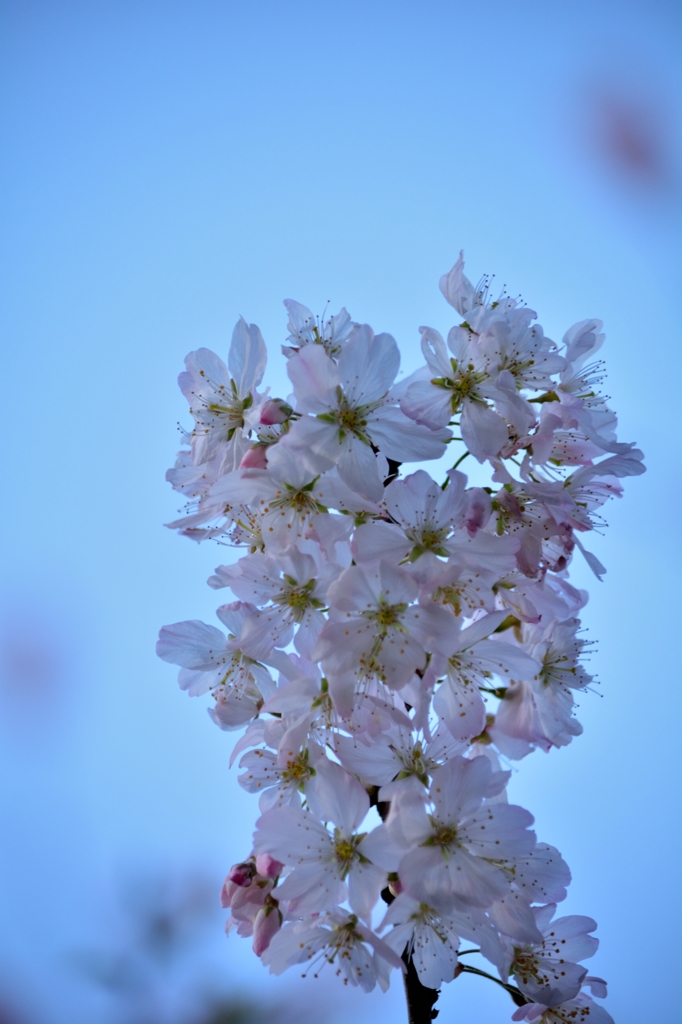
(478,510)
(255,458)
(244,928)
(241,874)
(268,866)
(274,411)
(395,887)
(227,892)
(266,925)
(246,900)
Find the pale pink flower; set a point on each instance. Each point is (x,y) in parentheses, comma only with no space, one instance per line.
(266,924)
(411,604)
(351,411)
(376,629)
(432,937)
(337,938)
(326,867)
(395,754)
(459,383)
(469,660)
(549,971)
(211,661)
(281,774)
(222,397)
(581,1010)
(464,849)
(307,329)
(287,497)
(292,586)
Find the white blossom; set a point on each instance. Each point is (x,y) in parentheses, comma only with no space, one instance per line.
(462,851)
(292,590)
(376,629)
(432,937)
(307,329)
(327,867)
(336,938)
(351,411)
(581,1010)
(222,397)
(548,971)
(399,639)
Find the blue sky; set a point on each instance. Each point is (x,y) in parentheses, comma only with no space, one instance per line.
(170,166)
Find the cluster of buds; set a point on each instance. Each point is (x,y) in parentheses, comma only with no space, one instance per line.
(247,894)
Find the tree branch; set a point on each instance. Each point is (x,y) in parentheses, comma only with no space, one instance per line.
(420,1000)
(514,992)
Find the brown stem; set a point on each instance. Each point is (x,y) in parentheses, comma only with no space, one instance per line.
(420,1000)
(517,996)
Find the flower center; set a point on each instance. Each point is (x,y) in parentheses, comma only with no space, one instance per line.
(451,594)
(351,419)
(553,668)
(443,835)
(525,964)
(300,501)
(386,615)
(298,597)
(345,852)
(464,382)
(298,769)
(230,406)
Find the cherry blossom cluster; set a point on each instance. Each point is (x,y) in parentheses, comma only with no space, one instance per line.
(396,640)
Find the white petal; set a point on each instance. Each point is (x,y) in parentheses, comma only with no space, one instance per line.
(247,357)
(457,288)
(373,541)
(336,796)
(434,959)
(368,365)
(483,431)
(380,847)
(292,836)
(404,440)
(358,469)
(365,882)
(427,404)
(461,707)
(314,376)
(376,764)
(192,644)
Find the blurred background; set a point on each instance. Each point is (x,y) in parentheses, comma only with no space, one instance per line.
(168,166)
